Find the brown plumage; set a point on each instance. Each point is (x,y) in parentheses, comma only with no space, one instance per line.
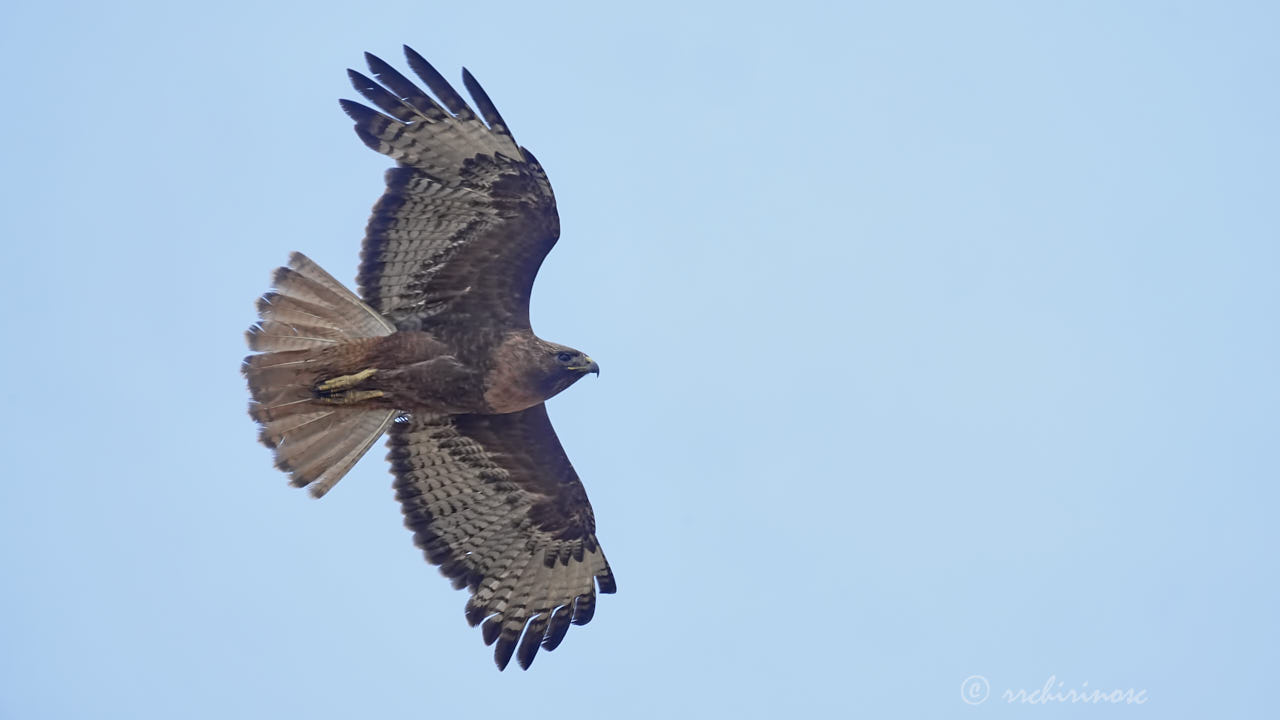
(440,352)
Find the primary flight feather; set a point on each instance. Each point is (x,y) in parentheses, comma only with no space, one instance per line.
(437,351)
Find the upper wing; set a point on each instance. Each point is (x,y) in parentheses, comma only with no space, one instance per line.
(468,216)
(493,500)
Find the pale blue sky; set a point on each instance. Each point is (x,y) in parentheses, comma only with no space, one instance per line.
(938,340)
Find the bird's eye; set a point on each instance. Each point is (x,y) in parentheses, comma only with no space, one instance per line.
(564,357)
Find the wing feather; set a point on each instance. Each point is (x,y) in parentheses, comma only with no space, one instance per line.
(455,242)
(486,106)
(403,88)
(379,96)
(438,85)
(490,498)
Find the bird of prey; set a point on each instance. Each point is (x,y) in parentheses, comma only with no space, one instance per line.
(437,352)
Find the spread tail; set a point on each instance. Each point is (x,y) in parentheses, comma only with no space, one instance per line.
(304,323)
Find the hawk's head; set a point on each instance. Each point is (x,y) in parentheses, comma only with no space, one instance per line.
(527,370)
(562,366)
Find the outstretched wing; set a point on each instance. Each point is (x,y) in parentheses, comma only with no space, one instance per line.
(468,216)
(493,500)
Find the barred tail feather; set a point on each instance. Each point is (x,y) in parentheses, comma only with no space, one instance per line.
(303,323)
(318,448)
(308,308)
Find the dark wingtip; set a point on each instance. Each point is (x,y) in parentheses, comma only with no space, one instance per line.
(557,628)
(531,642)
(413,56)
(355,110)
(606,582)
(438,85)
(490,630)
(364,118)
(503,651)
(378,66)
(378,95)
(584,608)
(487,109)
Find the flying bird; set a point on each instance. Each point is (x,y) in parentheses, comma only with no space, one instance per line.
(437,352)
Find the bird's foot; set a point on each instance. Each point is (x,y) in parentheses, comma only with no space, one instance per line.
(342,382)
(352,397)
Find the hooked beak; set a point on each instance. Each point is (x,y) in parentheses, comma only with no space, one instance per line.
(590,367)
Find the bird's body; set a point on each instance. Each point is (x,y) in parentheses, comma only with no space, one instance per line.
(437,350)
(413,371)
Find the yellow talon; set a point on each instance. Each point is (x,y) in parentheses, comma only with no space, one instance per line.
(352,398)
(346,381)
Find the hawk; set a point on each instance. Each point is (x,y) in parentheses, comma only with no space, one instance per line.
(437,352)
